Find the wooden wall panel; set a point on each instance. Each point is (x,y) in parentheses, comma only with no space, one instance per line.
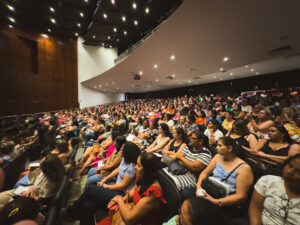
(53,88)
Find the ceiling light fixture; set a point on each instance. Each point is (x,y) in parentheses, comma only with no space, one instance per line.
(52,20)
(11,8)
(94,36)
(231,74)
(173,75)
(110,46)
(115,29)
(102,44)
(10,26)
(134,5)
(155,66)
(100,85)
(141,72)
(221,69)
(76,34)
(156,80)
(44,35)
(49,30)
(257,73)
(113,2)
(252,70)
(108,37)
(81,14)
(225,59)
(135,22)
(51,9)
(117,39)
(12,19)
(147,10)
(123,18)
(125,32)
(113,82)
(246,66)
(104,15)
(172,57)
(189,81)
(78,25)
(86,0)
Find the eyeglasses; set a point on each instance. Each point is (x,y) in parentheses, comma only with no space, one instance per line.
(284,211)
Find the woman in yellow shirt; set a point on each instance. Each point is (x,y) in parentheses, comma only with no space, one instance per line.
(227,123)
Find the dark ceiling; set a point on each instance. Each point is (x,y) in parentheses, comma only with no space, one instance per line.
(109,23)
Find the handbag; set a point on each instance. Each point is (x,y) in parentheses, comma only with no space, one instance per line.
(165,159)
(215,188)
(175,168)
(116,218)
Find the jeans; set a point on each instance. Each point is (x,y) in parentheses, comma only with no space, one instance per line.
(94,197)
(186,193)
(92,177)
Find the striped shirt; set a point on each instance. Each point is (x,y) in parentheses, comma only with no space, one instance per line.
(189,179)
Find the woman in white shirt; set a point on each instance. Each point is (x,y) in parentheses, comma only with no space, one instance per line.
(162,139)
(213,131)
(276,200)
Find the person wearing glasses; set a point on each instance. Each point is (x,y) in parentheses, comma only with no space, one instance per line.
(199,211)
(276,200)
(264,122)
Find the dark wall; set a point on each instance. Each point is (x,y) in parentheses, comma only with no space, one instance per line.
(229,88)
(37,74)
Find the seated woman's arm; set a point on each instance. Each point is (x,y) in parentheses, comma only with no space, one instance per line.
(195,166)
(123,186)
(154,149)
(261,127)
(152,145)
(252,141)
(240,116)
(167,148)
(115,163)
(139,211)
(255,209)
(208,170)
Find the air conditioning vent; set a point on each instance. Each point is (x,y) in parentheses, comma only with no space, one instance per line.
(196,78)
(279,51)
(170,77)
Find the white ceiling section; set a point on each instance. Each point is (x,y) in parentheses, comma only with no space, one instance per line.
(200,34)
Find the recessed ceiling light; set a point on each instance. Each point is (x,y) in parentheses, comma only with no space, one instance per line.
(172,57)
(141,72)
(51,9)
(44,35)
(123,18)
(102,44)
(189,81)
(100,85)
(215,77)
(117,39)
(252,70)
(10,26)
(231,74)
(110,46)
(86,0)
(108,37)
(52,20)
(76,34)
(11,8)
(257,73)
(246,66)
(134,5)
(95,87)
(157,80)
(81,14)
(104,15)
(125,32)
(225,59)
(155,66)
(173,75)
(113,2)
(147,10)
(94,36)
(221,69)
(49,30)
(135,22)
(11,19)
(113,82)
(78,25)
(115,29)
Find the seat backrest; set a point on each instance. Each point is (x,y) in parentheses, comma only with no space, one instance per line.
(13,169)
(62,192)
(171,195)
(73,154)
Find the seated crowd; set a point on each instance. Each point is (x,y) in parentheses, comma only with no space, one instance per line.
(233,161)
